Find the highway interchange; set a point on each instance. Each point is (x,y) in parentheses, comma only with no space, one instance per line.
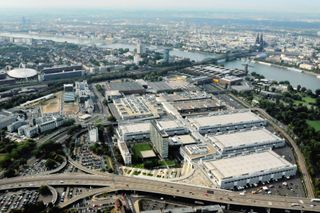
(113,183)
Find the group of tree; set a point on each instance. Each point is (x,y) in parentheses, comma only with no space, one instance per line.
(14,155)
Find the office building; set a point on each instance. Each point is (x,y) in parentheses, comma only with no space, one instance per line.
(69,95)
(159,139)
(61,75)
(125,153)
(226,122)
(172,127)
(93,135)
(250,169)
(82,91)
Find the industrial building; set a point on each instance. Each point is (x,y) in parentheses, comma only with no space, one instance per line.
(134,131)
(31,131)
(245,141)
(226,122)
(125,153)
(250,169)
(15,126)
(182,140)
(132,107)
(159,139)
(6,120)
(196,152)
(126,87)
(198,106)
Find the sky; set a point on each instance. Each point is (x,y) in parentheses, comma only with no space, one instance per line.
(291,6)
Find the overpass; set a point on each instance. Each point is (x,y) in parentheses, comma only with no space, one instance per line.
(113,183)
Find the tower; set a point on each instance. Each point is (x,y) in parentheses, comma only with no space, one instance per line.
(261,42)
(258,38)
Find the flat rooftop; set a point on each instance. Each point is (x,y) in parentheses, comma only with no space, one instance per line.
(224,119)
(134,128)
(183,139)
(243,138)
(197,151)
(124,86)
(148,154)
(195,104)
(168,124)
(246,165)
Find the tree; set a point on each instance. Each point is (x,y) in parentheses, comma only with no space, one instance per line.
(50,164)
(44,190)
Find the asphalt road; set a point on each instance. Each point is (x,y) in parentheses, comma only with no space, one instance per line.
(116,183)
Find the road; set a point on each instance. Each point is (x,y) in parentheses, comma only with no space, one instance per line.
(298,154)
(307,180)
(116,183)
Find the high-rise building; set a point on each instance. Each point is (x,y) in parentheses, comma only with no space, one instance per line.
(159,139)
(166,55)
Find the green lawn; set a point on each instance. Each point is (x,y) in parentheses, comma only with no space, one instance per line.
(170,163)
(138,148)
(314,124)
(307,101)
(2,156)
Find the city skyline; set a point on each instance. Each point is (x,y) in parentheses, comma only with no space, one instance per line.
(285,6)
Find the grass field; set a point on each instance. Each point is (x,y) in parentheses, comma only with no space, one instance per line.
(138,148)
(314,124)
(307,101)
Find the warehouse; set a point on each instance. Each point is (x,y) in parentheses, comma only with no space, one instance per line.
(226,122)
(125,87)
(245,141)
(172,127)
(198,106)
(250,169)
(133,107)
(134,131)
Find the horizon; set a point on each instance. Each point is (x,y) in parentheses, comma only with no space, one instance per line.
(251,6)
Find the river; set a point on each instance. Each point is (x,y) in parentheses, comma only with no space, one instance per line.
(280,74)
(270,72)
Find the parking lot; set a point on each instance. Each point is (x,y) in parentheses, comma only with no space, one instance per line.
(37,167)
(286,187)
(16,200)
(86,157)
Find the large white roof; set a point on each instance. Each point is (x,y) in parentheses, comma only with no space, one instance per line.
(135,128)
(21,73)
(237,139)
(247,165)
(224,119)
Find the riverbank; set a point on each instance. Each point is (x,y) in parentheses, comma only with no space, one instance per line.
(288,68)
